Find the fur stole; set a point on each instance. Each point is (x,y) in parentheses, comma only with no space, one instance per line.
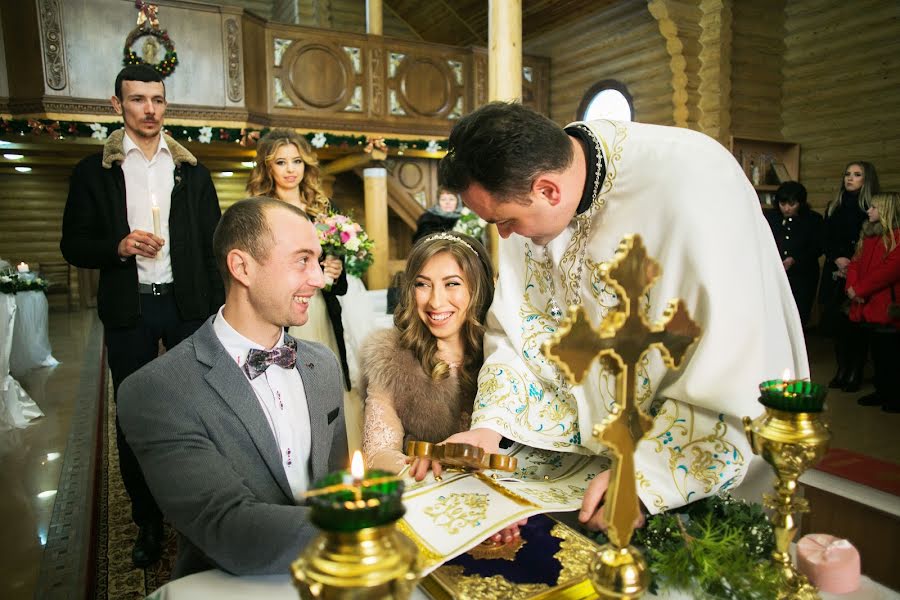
(429,410)
(114,150)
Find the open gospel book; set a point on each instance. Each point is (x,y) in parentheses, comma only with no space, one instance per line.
(449,517)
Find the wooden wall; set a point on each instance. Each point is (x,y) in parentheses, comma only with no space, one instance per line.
(619,42)
(31,209)
(841,91)
(757,56)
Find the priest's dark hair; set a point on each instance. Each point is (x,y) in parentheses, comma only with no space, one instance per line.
(504,147)
(790,192)
(137,73)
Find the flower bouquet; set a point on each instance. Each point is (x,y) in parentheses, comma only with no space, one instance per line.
(470,224)
(341,236)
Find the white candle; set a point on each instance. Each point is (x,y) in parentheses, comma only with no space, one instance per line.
(155,210)
(22,267)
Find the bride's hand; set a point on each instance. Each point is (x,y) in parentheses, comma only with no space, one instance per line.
(419,467)
(332,267)
(508,534)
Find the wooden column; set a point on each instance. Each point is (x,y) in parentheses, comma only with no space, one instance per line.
(504,71)
(374,17)
(375,180)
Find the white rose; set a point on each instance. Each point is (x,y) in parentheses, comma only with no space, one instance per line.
(352,244)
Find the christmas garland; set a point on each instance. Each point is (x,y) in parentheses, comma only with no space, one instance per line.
(718,547)
(11,284)
(58,130)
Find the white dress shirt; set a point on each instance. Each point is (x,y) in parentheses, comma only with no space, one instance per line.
(282,399)
(146,182)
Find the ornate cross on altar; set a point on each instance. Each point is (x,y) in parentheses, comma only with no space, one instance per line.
(624,336)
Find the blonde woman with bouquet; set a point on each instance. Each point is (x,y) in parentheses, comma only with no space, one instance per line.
(287,169)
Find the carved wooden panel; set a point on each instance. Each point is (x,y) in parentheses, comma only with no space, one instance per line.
(328,80)
(53,44)
(234,60)
(317,75)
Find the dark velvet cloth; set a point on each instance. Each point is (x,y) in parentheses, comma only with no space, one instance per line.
(432,222)
(800,238)
(535,561)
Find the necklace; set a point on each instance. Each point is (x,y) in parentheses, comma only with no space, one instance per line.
(556,312)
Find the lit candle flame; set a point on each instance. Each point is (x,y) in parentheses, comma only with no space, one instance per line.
(153,200)
(357,467)
(787,375)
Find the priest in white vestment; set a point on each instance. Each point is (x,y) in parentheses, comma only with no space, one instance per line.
(562,201)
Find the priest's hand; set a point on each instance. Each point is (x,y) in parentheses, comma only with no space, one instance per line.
(486,439)
(592,507)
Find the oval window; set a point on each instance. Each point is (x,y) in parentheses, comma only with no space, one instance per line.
(606,100)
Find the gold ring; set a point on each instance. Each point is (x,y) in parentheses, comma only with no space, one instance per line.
(137,244)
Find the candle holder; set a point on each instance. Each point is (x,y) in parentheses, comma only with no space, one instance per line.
(791,436)
(359,553)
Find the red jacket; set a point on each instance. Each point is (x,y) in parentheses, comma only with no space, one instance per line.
(872,274)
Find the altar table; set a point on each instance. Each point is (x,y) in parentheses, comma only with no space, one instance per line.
(221,586)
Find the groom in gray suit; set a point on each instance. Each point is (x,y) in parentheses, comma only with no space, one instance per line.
(232,425)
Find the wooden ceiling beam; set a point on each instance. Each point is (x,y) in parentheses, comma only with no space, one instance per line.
(352,161)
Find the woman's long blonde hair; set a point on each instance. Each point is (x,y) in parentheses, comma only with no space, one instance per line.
(261,182)
(869,186)
(473,259)
(888,205)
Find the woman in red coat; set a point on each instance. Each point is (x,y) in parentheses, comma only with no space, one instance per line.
(873,286)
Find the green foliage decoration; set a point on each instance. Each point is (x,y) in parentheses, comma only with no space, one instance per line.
(715,548)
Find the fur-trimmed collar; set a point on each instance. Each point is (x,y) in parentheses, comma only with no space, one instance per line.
(429,410)
(114,150)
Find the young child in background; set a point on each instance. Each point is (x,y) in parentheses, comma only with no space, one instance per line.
(873,285)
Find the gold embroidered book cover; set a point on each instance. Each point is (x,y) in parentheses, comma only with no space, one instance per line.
(550,560)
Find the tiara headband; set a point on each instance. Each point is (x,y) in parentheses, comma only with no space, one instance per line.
(447,236)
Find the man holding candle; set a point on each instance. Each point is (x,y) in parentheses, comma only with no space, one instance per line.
(233,425)
(143,211)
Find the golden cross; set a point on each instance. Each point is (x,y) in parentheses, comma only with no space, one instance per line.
(622,339)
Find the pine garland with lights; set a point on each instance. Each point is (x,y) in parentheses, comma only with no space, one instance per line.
(59,130)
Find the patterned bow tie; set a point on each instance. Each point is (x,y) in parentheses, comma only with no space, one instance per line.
(260,360)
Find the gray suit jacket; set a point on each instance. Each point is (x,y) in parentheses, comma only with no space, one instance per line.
(211,460)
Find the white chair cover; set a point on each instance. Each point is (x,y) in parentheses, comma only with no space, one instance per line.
(16,407)
(31,342)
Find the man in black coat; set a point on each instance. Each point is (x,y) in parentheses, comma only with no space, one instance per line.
(143,212)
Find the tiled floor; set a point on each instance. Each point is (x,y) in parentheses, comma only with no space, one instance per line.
(28,465)
(32,459)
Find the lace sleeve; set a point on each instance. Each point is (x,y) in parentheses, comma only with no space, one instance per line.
(382,433)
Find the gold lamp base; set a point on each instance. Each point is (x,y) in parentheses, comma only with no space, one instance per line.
(377,562)
(790,442)
(619,573)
